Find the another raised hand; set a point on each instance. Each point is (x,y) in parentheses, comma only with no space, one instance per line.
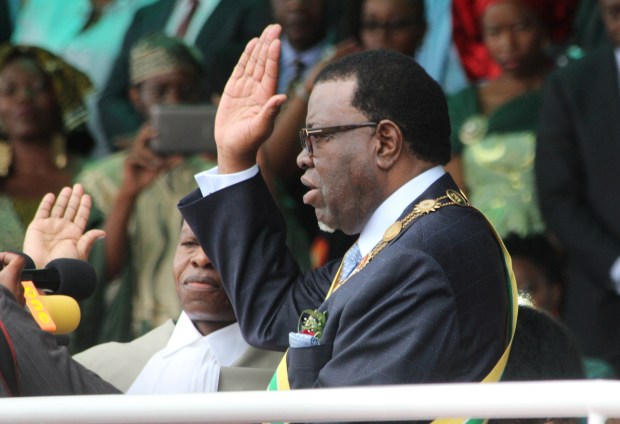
(249,105)
(57,230)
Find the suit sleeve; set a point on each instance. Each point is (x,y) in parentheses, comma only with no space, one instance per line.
(43,367)
(242,231)
(561,180)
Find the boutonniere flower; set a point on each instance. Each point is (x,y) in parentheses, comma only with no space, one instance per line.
(312,323)
(309,329)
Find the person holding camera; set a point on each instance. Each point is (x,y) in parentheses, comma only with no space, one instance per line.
(137,190)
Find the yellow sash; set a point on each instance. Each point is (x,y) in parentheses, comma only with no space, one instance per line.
(280,381)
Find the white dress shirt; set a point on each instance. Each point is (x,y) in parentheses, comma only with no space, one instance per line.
(190,362)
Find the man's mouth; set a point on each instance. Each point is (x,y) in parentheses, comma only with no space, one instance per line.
(311,195)
(201,283)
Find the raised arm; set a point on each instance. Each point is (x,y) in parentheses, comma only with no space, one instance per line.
(57,230)
(249,105)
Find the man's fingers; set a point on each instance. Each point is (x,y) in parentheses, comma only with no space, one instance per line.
(83,212)
(13,263)
(45,207)
(58,210)
(270,81)
(255,56)
(87,241)
(261,57)
(74,202)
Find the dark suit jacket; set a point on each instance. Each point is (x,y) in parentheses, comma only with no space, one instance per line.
(431,307)
(577,172)
(222,39)
(43,367)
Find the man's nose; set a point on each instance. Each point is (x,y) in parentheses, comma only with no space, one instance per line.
(304,159)
(200,259)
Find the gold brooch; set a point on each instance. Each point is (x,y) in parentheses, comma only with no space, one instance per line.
(392,231)
(425,206)
(456,197)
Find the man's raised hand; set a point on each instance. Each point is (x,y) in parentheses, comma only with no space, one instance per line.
(249,105)
(57,230)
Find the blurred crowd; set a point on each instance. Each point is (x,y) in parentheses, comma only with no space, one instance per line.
(533,93)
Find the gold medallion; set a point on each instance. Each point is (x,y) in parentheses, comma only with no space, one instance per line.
(425,206)
(456,197)
(392,231)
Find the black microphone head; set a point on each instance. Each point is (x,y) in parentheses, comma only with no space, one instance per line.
(29,262)
(77,278)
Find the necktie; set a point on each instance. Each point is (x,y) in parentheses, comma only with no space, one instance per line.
(188,18)
(351,259)
(300,67)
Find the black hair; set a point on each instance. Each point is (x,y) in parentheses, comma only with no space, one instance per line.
(538,249)
(393,86)
(351,21)
(543,349)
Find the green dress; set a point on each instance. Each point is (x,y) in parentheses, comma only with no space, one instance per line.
(16,213)
(497,155)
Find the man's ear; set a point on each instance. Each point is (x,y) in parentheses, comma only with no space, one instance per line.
(390,146)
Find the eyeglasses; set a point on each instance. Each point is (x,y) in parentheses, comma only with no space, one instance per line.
(306,134)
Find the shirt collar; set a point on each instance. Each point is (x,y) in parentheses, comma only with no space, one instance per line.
(227,344)
(393,207)
(309,56)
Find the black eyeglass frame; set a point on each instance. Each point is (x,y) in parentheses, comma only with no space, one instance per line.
(305,134)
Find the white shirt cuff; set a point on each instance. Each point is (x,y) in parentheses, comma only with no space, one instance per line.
(614,273)
(211,181)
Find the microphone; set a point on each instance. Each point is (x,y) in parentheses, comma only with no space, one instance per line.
(71,277)
(56,314)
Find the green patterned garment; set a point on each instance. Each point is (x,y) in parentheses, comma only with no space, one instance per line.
(497,155)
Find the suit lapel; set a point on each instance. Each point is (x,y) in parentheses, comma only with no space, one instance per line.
(607,95)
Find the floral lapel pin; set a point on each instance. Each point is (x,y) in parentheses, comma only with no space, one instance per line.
(309,329)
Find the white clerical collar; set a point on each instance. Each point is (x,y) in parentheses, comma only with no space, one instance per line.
(393,207)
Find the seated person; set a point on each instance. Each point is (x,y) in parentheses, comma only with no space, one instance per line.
(44,368)
(136,191)
(205,343)
(538,266)
(542,349)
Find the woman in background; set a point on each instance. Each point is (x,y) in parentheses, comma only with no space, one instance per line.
(43,138)
(494,122)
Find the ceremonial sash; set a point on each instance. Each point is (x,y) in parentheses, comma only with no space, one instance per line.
(279,381)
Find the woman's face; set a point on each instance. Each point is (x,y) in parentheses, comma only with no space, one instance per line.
(28,109)
(397,25)
(515,37)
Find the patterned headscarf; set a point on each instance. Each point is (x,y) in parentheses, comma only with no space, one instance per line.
(69,86)
(467,33)
(159,54)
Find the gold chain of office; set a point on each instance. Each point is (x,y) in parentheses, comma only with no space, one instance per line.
(452,197)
